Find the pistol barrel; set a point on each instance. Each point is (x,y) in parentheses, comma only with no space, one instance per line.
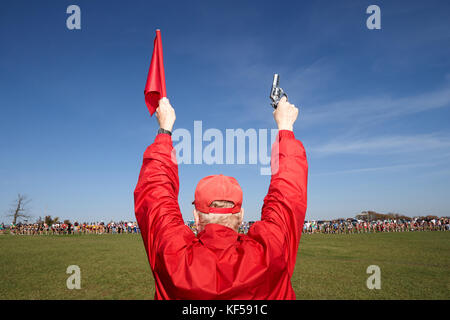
(276,80)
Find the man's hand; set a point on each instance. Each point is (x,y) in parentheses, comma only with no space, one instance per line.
(165,114)
(285,115)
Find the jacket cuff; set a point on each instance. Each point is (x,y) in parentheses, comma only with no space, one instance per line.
(286,134)
(163,138)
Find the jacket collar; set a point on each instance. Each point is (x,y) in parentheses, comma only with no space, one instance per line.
(217,236)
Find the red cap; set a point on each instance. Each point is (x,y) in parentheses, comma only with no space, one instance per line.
(218,187)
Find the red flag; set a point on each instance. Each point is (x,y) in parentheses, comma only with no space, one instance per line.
(155,88)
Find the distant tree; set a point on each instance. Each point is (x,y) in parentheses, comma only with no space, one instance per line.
(19,209)
(398,216)
(373,215)
(49,220)
(67,221)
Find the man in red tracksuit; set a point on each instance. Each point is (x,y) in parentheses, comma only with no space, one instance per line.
(220,263)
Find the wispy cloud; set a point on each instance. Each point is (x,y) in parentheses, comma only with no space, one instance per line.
(384,145)
(375,109)
(374,169)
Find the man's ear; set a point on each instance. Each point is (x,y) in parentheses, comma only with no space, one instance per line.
(196,218)
(241,214)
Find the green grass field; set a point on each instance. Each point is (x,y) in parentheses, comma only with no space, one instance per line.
(414,265)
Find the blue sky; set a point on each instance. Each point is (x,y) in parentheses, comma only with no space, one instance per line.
(374,104)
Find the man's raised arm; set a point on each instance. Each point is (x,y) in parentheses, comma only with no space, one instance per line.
(284,207)
(156,194)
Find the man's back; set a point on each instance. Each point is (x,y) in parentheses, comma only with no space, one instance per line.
(220,263)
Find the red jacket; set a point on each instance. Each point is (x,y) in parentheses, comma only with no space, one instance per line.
(220,263)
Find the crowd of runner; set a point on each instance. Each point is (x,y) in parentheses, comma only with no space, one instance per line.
(69,228)
(387,225)
(310,227)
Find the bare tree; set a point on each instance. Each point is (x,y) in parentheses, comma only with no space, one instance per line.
(19,210)
(49,220)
